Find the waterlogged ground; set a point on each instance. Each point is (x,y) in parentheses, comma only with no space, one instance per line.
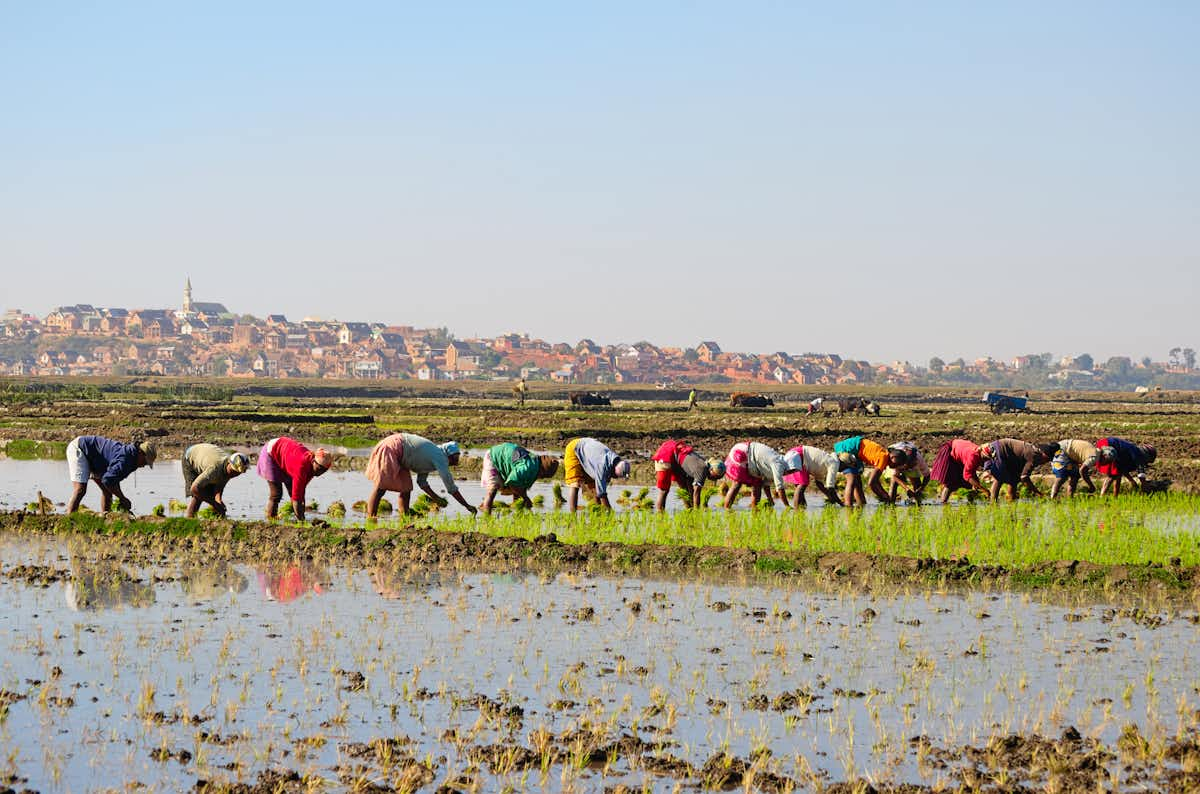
(246,495)
(414,679)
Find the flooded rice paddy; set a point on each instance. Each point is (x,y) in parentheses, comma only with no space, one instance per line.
(187,674)
(246,496)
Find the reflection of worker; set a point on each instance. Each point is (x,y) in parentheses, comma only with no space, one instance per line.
(94,586)
(206,470)
(395,458)
(211,580)
(509,468)
(286,462)
(590,464)
(287,583)
(678,461)
(106,462)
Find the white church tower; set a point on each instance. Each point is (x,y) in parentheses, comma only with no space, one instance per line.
(187,296)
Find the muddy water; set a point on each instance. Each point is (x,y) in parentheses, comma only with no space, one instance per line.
(238,665)
(246,496)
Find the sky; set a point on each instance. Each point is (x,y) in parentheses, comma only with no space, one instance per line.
(884,180)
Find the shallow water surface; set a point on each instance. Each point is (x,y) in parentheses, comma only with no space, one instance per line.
(254,667)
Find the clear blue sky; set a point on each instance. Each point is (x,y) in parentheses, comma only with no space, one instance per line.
(887,180)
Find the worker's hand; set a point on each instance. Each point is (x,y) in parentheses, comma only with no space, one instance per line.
(440,502)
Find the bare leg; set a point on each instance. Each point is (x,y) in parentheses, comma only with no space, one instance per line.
(944,494)
(573,498)
(373,503)
(77,496)
(274,495)
(732,495)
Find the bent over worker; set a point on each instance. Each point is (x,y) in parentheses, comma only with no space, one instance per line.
(679,462)
(395,458)
(588,463)
(105,462)
(207,469)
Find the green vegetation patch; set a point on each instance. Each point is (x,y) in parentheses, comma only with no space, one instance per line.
(28,449)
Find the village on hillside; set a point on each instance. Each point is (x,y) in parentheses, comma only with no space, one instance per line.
(206,339)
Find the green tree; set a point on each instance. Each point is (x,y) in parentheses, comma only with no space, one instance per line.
(936,365)
(1189,358)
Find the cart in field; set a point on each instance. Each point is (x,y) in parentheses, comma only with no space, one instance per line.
(1005,403)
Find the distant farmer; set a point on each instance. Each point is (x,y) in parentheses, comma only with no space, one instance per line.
(1010,462)
(395,458)
(511,469)
(107,462)
(1074,458)
(692,402)
(816,405)
(761,468)
(1120,458)
(587,463)
(910,468)
(206,470)
(956,466)
(521,389)
(811,465)
(680,462)
(285,462)
(855,455)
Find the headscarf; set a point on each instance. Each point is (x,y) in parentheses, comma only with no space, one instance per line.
(716,468)
(239,462)
(621,469)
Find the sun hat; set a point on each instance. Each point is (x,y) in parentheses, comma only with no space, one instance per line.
(239,462)
(148,449)
(621,469)
(451,448)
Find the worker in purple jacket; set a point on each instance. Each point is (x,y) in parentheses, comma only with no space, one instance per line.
(107,462)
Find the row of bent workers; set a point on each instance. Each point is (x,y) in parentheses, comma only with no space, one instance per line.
(508,468)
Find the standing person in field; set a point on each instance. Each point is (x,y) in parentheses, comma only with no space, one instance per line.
(761,468)
(395,458)
(107,463)
(1011,461)
(1073,459)
(587,463)
(285,462)
(207,469)
(679,461)
(811,465)
(1121,458)
(856,454)
(909,468)
(521,389)
(692,402)
(511,469)
(956,466)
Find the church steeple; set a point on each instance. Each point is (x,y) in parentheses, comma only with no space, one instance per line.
(187,295)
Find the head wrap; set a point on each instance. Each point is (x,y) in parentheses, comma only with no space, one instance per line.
(716,468)
(239,462)
(621,469)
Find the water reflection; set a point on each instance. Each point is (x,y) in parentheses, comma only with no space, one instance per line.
(393,583)
(98,585)
(287,583)
(205,582)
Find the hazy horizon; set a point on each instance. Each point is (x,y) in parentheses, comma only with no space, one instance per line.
(881,181)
